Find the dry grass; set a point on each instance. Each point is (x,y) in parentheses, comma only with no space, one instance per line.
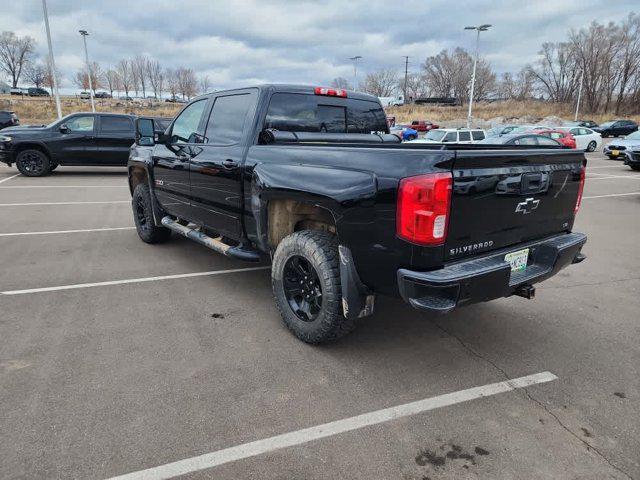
(35,111)
(43,110)
(536,111)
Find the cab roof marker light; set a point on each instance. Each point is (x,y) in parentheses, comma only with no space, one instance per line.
(331,92)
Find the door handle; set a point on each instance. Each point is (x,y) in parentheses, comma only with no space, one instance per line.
(228,163)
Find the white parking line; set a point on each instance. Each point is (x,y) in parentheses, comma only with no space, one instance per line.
(9,178)
(58,203)
(604,166)
(66,186)
(130,280)
(608,177)
(612,195)
(299,437)
(54,232)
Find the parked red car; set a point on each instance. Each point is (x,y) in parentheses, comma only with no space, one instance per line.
(565,138)
(423,125)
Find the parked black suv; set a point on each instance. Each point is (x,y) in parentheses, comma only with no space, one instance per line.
(8,119)
(615,128)
(91,139)
(37,92)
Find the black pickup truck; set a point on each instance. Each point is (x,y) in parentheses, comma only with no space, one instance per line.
(310,179)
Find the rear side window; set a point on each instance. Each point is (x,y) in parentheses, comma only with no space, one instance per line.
(294,112)
(528,141)
(109,124)
(477,135)
(464,136)
(226,122)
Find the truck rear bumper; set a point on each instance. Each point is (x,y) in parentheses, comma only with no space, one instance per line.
(489,277)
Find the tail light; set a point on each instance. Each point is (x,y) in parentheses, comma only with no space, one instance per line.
(331,92)
(580,190)
(423,208)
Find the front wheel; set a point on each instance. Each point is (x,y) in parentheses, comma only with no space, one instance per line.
(592,146)
(305,275)
(32,163)
(147,230)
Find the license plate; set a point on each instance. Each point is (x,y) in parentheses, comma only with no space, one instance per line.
(517,260)
(615,153)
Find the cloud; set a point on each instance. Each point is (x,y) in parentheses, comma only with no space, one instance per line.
(236,43)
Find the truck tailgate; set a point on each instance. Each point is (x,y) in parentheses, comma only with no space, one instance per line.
(503,198)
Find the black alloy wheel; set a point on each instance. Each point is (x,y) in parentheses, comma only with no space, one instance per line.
(302,288)
(32,163)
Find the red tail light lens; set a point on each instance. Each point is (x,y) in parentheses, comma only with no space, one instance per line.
(331,92)
(580,190)
(423,208)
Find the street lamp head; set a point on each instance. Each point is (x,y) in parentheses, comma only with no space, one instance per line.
(484,28)
(469,28)
(83,32)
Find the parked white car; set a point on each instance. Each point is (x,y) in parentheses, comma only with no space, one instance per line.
(586,139)
(452,135)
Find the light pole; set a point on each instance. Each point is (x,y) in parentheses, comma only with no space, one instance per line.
(85,34)
(355,70)
(52,63)
(575,119)
(481,28)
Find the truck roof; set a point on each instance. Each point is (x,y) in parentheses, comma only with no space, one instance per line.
(294,88)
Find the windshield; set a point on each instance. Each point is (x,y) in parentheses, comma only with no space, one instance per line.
(435,135)
(633,136)
(607,124)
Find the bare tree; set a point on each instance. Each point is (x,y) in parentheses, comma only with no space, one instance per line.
(36,73)
(156,76)
(340,82)
(416,87)
(49,80)
(448,74)
(173,82)
(628,64)
(187,82)
(111,80)
(15,54)
(382,83)
(125,74)
(205,84)
(140,66)
(82,79)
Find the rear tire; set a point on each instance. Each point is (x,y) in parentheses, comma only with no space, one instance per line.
(147,230)
(592,146)
(305,275)
(33,163)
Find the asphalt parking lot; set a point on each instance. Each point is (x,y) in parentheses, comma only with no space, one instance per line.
(108,367)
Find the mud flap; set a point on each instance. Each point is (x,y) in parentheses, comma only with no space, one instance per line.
(357,300)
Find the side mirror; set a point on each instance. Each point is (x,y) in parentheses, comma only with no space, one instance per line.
(145,134)
(64,128)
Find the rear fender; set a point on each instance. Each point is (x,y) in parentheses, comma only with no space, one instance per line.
(344,193)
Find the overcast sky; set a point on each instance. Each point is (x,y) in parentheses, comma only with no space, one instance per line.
(240,43)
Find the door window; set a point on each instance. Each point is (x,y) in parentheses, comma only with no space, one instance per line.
(226,122)
(81,124)
(546,141)
(556,135)
(477,135)
(110,124)
(465,136)
(450,137)
(576,131)
(186,125)
(526,141)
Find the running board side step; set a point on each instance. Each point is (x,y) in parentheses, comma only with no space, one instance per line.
(215,244)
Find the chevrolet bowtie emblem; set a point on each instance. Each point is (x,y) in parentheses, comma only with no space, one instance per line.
(528,206)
